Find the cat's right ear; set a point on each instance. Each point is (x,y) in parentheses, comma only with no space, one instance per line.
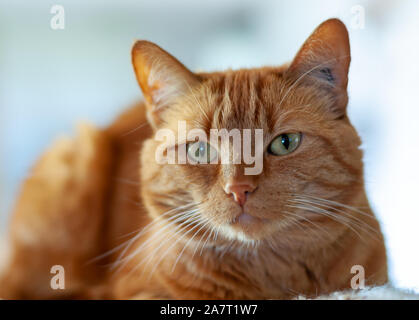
(161,76)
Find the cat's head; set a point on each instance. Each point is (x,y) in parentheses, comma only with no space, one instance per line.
(308,149)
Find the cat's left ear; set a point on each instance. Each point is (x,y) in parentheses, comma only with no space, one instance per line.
(324,58)
(161,76)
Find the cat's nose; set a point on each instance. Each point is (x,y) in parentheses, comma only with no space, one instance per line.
(240,191)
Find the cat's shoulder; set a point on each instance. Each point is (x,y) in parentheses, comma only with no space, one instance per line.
(130,125)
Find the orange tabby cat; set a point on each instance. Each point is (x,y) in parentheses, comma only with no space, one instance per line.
(207,231)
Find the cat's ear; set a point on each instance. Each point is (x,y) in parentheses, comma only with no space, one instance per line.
(324,58)
(162,77)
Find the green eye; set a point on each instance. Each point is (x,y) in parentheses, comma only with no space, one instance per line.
(284,144)
(201,152)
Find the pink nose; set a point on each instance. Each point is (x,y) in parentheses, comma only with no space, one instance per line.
(239,192)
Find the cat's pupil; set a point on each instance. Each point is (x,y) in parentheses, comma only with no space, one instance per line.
(285,141)
(200,152)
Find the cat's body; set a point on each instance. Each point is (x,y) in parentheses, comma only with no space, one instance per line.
(86,193)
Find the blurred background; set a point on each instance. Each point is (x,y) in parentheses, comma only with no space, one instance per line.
(52,78)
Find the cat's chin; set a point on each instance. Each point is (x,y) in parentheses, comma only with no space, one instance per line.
(246,227)
(246,221)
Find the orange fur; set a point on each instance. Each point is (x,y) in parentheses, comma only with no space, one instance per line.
(84,194)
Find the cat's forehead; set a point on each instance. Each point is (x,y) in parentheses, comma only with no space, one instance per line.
(246,98)
(262,98)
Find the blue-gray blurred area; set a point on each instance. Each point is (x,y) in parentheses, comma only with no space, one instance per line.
(50,79)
